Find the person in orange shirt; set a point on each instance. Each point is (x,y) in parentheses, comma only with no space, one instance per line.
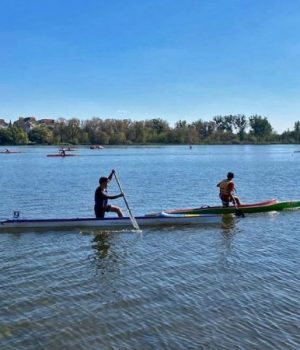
(226,187)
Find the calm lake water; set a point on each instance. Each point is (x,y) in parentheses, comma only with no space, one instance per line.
(234,286)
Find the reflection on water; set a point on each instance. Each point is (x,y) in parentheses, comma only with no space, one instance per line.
(101,245)
(110,250)
(228,225)
(108,254)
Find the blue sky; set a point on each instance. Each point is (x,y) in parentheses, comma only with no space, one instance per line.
(170,59)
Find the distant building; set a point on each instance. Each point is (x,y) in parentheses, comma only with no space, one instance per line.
(62,121)
(26,124)
(3,124)
(47,122)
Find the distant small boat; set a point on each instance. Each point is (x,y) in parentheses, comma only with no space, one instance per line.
(96,147)
(9,152)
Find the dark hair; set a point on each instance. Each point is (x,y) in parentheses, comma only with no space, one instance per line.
(230,175)
(103,179)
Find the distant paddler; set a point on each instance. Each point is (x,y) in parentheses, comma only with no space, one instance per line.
(62,152)
(226,191)
(102,197)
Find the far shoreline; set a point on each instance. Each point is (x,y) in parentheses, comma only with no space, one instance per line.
(149,145)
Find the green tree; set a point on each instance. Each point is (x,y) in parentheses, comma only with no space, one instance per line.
(204,129)
(59,131)
(260,127)
(18,135)
(181,132)
(118,138)
(156,130)
(157,125)
(72,130)
(13,135)
(41,135)
(240,124)
(5,137)
(83,138)
(140,132)
(297,131)
(229,123)
(220,123)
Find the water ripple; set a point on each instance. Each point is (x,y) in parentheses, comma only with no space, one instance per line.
(230,287)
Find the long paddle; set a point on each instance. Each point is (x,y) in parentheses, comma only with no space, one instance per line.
(132,218)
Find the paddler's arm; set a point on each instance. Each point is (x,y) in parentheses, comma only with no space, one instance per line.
(111,174)
(116,196)
(231,190)
(219,184)
(231,196)
(105,195)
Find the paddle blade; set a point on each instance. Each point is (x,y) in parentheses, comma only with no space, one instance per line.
(239,213)
(134,222)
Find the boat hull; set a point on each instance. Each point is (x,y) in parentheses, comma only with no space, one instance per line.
(107,223)
(10,152)
(266,206)
(61,155)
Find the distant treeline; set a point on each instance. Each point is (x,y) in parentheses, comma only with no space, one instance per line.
(228,129)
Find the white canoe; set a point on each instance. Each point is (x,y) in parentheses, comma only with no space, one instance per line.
(107,223)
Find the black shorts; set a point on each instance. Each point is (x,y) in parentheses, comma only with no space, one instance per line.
(100,212)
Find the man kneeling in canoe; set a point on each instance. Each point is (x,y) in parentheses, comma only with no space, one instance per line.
(226,191)
(101,199)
